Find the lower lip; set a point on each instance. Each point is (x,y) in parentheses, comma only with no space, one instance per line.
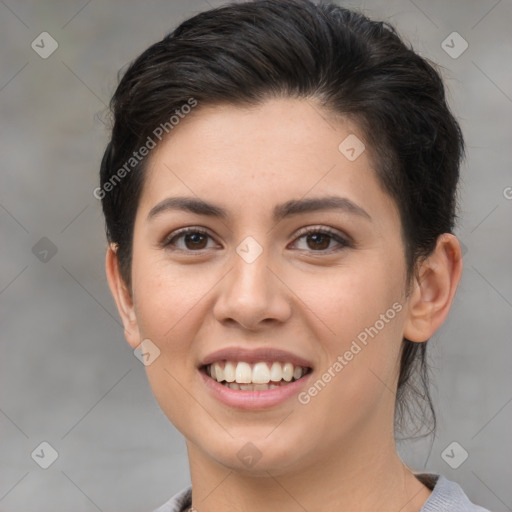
(254,399)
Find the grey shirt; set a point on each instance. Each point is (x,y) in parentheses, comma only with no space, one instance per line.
(447,496)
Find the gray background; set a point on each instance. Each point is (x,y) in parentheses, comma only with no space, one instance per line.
(67,375)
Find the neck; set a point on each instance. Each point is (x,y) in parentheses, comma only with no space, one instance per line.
(358,476)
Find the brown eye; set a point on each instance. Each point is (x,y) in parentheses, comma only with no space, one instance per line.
(189,239)
(319,241)
(195,241)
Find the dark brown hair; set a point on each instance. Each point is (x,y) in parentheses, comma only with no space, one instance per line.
(245,53)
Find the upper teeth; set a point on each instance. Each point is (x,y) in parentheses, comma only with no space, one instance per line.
(258,373)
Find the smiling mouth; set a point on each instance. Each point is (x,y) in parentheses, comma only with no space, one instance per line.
(261,376)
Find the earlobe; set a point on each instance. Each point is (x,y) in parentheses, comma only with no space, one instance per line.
(122,297)
(433,289)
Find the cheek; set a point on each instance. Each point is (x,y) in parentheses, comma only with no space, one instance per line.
(358,322)
(167,296)
(170,308)
(342,302)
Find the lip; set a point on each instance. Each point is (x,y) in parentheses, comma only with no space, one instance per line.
(254,400)
(255,356)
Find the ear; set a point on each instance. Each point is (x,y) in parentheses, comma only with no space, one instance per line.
(433,289)
(122,296)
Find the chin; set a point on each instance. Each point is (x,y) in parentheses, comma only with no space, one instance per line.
(258,455)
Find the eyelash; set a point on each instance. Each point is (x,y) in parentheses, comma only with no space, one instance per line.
(343,242)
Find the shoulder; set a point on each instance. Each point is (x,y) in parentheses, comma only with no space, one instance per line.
(446,496)
(178,503)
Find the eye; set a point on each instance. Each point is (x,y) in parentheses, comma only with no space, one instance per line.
(321,239)
(188,239)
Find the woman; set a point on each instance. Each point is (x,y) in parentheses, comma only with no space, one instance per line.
(279,195)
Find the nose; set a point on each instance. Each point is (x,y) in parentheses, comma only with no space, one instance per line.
(252,296)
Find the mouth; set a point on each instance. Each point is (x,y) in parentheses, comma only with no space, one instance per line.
(258,376)
(254,379)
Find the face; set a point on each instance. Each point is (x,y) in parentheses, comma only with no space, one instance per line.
(292,254)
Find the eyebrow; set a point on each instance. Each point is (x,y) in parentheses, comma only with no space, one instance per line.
(292,207)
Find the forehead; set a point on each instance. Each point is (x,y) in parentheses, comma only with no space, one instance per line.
(259,156)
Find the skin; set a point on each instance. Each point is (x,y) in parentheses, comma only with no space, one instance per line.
(336,452)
